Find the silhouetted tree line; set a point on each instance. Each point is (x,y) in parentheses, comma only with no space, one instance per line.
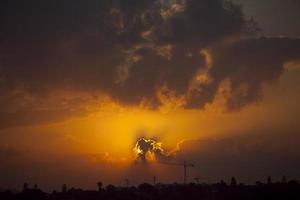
(283,190)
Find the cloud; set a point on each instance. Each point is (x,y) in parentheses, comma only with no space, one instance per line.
(246,64)
(148,150)
(132,50)
(257,158)
(21,108)
(251,63)
(8,152)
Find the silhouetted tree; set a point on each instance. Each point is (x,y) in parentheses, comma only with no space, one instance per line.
(222,183)
(233,182)
(283,180)
(25,186)
(145,187)
(110,188)
(269,180)
(35,187)
(127,182)
(154,180)
(64,188)
(258,183)
(99,186)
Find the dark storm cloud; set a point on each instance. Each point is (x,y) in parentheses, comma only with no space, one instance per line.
(253,62)
(42,36)
(203,22)
(130,49)
(248,64)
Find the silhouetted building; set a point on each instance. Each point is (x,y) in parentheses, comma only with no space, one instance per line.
(222,183)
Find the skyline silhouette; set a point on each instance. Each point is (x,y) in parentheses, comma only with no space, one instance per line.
(221,190)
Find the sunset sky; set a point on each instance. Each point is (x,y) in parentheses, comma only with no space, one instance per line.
(215,83)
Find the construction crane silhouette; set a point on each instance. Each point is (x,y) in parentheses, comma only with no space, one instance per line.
(185,166)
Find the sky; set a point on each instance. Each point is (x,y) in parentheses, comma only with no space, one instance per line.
(108,90)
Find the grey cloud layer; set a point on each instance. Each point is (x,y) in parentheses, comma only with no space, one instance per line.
(129,49)
(246,158)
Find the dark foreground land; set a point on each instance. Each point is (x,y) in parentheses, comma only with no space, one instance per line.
(222,191)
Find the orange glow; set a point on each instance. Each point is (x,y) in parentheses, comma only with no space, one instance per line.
(110,132)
